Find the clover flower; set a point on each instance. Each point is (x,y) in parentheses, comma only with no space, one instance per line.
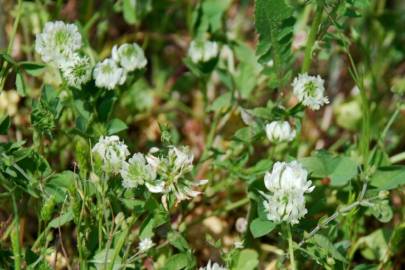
(58,42)
(108,75)
(213,266)
(145,245)
(137,172)
(280,131)
(129,56)
(310,91)
(174,171)
(77,70)
(112,152)
(287,184)
(203,51)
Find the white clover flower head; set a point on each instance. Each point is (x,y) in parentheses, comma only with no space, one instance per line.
(112,151)
(129,56)
(136,171)
(57,42)
(77,71)
(173,172)
(213,266)
(310,91)
(145,245)
(107,74)
(182,158)
(287,184)
(280,131)
(203,51)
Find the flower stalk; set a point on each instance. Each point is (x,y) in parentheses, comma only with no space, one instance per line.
(312,38)
(291,248)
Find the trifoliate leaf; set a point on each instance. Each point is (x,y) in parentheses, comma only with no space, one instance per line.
(340,169)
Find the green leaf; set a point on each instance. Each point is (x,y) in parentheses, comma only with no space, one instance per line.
(221,103)
(366,267)
(115,126)
(326,245)
(381,210)
(99,260)
(33,69)
(4,125)
(274,24)
(8,58)
(209,16)
(248,259)
(59,184)
(248,70)
(129,11)
(146,230)
(373,246)
(260,167)
(389,177)
(179,261)
(61,220)
(340,169)
(20,85)
(178,241)
(134,11)
(260,227)
(397,239)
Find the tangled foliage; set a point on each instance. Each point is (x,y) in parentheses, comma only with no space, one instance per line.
(210,135)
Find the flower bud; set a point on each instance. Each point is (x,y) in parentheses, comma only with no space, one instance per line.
(119,219)
(203,51)
(383,194)
(241,225)
(47,208)
(280,131)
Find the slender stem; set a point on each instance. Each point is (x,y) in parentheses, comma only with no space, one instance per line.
(121,242)
(210,138)
(15,235)
(83,263)
(3,69)
(291,248)
(338,212)
(389,124)
(312,38)
(15,26)
(364,145)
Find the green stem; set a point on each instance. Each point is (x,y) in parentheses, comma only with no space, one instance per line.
(311,39)
(120,243)
(15,26)
(210,138)
(291,248)
(364,145)
(15,236)
(83,263)
(3,70)
(389,124)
